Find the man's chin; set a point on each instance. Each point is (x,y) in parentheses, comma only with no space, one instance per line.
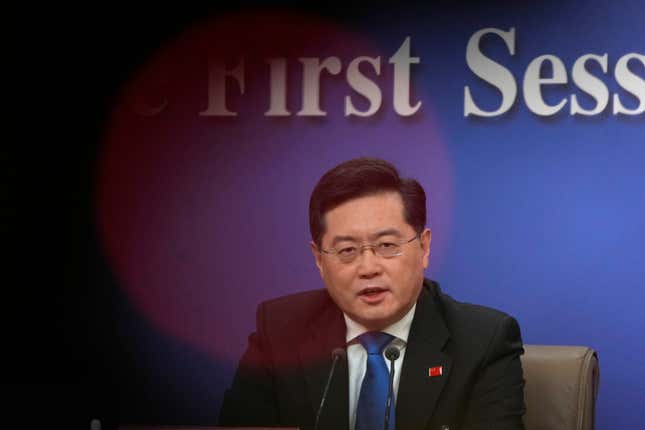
(375,319)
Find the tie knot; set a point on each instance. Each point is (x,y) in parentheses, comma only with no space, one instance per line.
(375,341)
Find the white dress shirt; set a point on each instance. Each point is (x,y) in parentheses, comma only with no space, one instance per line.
(357,356)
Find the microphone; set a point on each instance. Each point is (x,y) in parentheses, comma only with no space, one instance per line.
(336,355)
(392,353)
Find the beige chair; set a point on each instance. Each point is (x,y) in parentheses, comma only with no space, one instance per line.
(561,387)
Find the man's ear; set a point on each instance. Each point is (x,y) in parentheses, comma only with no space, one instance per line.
(317,256)
(424,239)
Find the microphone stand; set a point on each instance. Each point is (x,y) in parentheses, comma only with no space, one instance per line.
(337,354)
(392,353)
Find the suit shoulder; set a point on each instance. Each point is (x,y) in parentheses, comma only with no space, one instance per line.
(463,313)
(472,323)
(294,310)
(301,302)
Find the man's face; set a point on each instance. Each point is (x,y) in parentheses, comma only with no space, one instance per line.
(372,290)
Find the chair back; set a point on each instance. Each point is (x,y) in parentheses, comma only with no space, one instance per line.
(561,387)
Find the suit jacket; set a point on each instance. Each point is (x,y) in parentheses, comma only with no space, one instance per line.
(281,376)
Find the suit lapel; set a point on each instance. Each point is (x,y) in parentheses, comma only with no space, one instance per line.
(418,392)
(325,333)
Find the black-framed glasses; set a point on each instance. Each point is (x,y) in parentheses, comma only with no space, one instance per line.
(385,248)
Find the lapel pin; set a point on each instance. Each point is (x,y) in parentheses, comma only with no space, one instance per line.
(435,371)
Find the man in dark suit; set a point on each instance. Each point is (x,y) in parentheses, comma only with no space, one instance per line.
(458,365)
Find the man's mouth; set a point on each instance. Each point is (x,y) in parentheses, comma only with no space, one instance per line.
(373,295)
(371,291)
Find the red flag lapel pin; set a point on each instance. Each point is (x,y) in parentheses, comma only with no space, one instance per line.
(435,371)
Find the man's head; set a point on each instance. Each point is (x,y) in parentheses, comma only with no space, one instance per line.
(364,201)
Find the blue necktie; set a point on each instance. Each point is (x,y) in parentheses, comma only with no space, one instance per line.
(370,412)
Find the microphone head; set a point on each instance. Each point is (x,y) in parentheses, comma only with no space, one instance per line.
(392,353)
(339,353)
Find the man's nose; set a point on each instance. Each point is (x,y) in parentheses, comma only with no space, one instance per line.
(369,264)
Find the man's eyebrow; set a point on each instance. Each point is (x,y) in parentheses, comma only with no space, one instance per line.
(386,232)
(342,239)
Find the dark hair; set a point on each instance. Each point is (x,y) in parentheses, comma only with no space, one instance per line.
(361,177)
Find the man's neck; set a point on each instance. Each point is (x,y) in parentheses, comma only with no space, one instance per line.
(399,329)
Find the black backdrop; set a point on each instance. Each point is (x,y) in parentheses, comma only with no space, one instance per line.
(63,360)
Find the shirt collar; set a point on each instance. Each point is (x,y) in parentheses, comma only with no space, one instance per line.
(400,329)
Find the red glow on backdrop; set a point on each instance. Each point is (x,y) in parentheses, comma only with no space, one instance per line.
(202,216)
